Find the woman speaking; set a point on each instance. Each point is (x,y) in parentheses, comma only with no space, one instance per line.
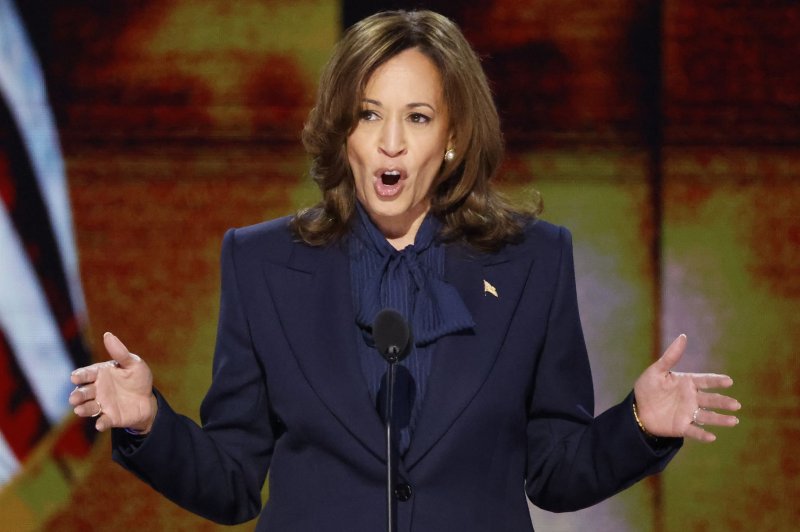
(495,402)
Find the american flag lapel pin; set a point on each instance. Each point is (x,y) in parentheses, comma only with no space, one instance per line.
(488,288)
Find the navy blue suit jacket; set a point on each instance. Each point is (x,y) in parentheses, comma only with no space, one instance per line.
(509,407)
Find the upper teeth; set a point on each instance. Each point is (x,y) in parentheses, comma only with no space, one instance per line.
(392,172)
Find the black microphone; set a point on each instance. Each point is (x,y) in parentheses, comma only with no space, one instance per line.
(391,334)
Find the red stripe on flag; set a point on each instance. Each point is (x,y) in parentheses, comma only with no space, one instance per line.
(22,420)
(7,191)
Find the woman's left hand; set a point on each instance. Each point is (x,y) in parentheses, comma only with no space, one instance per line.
(673,404)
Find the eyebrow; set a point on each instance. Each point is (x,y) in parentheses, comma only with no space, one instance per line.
(412,105)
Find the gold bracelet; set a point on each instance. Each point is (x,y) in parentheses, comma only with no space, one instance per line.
(641,425)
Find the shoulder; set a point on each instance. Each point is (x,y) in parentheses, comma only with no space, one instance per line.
(275,231)
(540,233)
(538,239)
(541,239)
(271,240)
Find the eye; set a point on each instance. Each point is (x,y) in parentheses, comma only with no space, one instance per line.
(419,118)
(368,115)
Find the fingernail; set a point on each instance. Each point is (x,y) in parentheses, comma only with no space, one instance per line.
(77,371)
(684,335)
(736,421)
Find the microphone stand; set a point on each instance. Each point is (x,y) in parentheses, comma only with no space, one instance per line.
(392,356)
(391,334)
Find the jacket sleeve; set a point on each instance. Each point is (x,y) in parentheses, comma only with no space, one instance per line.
(216,471)
(574,459)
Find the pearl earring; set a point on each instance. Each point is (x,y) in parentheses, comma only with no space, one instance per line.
(449,155)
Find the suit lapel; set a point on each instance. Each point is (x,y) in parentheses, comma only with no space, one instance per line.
(315,304)
(462,362)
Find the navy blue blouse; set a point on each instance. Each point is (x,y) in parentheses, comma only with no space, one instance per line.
(411,282)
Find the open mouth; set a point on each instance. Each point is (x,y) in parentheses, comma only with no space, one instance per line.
(390,177)
(389,182)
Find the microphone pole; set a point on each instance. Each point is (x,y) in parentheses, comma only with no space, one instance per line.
(391,468)
(391,334)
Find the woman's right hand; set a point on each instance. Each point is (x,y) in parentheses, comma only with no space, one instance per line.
(119,392)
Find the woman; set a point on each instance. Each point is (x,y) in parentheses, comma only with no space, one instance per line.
(497,388)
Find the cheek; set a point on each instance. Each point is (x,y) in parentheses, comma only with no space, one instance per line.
(432,167)
(350,153)
(354,154)
(353,163)
(356,172)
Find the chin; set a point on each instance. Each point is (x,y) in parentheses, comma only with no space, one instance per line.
(388,209)
(383,209)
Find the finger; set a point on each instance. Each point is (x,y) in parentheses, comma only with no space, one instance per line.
(709,417)
(87,409)
(84,375)
(717,401)
(672,355)
(82,394)
(711,380)
(118,352)
(103,422)
(697,433)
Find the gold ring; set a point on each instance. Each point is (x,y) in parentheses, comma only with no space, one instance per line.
(99,409)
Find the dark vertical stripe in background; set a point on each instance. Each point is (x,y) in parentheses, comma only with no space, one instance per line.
(645,46)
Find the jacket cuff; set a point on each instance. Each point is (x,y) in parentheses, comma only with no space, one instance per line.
(660,447)
(126,445)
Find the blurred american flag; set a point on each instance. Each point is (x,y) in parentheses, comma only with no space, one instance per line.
(42,309)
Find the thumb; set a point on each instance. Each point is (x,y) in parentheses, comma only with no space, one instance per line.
(117,350)
(672,355)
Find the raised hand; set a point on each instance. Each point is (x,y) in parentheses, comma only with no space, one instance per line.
(119,392)
(675,404)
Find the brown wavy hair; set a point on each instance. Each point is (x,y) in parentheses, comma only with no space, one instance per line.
(462,198)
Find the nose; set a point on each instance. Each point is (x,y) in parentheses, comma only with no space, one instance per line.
(392,141)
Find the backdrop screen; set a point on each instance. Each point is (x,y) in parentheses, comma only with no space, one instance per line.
(663,134)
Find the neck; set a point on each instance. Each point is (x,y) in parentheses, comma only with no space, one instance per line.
(402,242)
(401,231)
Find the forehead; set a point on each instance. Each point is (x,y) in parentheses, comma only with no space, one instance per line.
(409,74)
